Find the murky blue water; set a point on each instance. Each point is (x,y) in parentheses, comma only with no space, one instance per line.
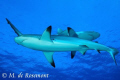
(34,16)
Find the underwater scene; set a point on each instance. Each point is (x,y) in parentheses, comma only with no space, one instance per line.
(60,39)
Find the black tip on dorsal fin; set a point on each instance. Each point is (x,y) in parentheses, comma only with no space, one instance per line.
(71,32)
(69,29)
(49,29)
(47,34)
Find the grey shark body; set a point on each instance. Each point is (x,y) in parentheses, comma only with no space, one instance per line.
(87,35)
(53,43)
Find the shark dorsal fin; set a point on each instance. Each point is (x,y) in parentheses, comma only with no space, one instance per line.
(71,32)
(62,32)
(49,57)
(46,36)
(59,31)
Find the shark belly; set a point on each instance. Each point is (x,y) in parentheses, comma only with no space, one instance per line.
(41,45)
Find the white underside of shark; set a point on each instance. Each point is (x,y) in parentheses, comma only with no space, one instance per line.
(53,43)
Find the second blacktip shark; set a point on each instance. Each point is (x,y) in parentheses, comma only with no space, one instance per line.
(87,35)
(54,43)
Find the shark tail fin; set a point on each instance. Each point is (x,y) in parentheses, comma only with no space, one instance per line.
(14,28)
(113,52)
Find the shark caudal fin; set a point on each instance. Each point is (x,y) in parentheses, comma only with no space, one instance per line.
(113,52)
(14,28)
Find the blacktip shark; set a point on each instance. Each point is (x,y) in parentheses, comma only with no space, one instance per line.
(87,35)
(53,43)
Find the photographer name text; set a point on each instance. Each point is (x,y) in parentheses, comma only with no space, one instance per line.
(25,75)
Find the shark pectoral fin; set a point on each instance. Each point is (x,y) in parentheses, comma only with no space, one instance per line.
(46,36)
(72,54)
(83,51)
(49,57)
(71,32)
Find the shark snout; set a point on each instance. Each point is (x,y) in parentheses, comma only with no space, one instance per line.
(19,40)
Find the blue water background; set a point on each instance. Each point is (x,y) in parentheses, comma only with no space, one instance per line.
(34,16)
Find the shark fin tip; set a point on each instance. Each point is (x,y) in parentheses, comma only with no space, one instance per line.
(72,57)
(98,51)
(49,28)
(68,28)
(53,64)
(7,20)
(73,54)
